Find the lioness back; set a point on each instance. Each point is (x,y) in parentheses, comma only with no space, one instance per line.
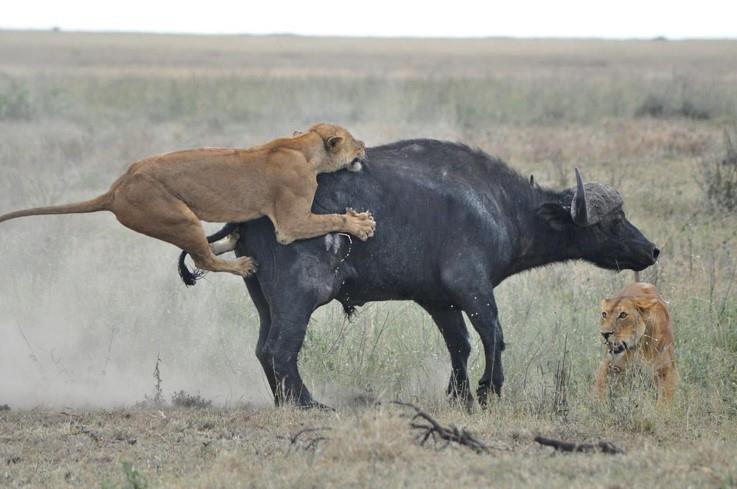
(237,185)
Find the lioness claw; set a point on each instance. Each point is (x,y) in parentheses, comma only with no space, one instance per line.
(364,224)
(248,266)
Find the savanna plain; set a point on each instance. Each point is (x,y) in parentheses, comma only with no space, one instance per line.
(113,374)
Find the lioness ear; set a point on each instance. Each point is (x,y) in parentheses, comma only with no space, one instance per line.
(297,133)
(555,215)
(645,303)
(332,142)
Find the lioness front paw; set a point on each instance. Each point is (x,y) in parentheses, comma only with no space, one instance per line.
(247,266)
(361,224)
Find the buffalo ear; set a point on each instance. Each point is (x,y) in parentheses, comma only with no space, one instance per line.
(557,216)
(332,142)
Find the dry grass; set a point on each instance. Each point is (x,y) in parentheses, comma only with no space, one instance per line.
(87,306)
(374,447)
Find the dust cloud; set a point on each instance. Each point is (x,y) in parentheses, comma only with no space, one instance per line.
(86,307)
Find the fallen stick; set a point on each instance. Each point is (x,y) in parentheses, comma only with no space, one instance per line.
(307,443)
(432,429)
(564,446)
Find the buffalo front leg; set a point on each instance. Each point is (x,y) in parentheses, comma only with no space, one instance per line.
(482,311)
(449,321)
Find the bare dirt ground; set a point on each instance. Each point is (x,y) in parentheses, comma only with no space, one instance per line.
(87,307)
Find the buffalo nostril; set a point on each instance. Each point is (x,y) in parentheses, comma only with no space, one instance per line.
(656,253)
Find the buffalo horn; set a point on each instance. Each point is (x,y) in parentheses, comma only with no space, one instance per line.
(579,209)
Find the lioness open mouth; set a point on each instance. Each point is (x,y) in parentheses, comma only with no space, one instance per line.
(355,165)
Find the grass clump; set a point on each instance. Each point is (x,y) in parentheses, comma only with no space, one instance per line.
(187,400)
(660,107)
(15,100)
(134,477)
(720,177)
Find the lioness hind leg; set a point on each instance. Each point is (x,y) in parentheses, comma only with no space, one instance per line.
(244,266)
(144,205)
(226,244)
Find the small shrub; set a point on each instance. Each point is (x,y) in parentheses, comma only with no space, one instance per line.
(652,106)
(157,397)
(659,107)
(720,177)
(690,111)
(184,399)
(135,479)
(15,101)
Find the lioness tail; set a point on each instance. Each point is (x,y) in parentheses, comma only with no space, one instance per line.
(100,203)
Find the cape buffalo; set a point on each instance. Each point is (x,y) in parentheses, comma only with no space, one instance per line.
(452,223)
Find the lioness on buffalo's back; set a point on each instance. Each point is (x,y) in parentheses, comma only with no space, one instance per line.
(166,196)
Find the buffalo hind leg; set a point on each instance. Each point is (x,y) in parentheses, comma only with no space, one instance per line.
(449,321)
(278,356)
(264,315)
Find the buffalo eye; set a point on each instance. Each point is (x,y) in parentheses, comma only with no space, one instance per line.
(622,315)
(616,225)
(603,314)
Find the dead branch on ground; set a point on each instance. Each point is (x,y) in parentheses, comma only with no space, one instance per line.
(564,446)
(305,443)
(431,429)
(77,429)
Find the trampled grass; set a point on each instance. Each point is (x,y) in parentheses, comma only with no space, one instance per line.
(86,306)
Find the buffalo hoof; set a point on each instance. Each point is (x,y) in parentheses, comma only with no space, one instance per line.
(316,405)
(483,394)
(466,403)
(303,404)
(460,396)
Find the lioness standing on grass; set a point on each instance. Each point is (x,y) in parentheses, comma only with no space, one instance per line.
(636,326)
(166,196)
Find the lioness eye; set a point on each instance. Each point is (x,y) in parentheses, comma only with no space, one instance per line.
(622,315)
(603,314)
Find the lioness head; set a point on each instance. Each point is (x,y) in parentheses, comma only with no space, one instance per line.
(343,150)
(623,323)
